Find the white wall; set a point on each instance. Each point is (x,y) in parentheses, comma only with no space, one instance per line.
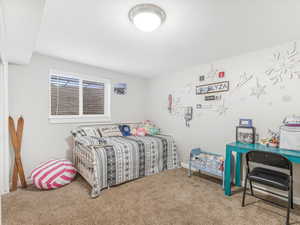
(210,130)
(28,96)
(4,139)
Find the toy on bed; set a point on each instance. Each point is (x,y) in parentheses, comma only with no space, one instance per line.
(146,128)
(139,131)
(150,127)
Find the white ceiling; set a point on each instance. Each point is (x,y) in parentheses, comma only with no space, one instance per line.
(22,19)
(98,32)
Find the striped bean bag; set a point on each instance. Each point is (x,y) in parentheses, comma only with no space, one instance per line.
(53,174)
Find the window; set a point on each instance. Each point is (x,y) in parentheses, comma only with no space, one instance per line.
(78,98)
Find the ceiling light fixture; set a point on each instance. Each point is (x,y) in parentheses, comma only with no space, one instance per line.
(147,17)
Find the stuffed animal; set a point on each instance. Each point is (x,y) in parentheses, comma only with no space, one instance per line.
(141,132)
(150,127)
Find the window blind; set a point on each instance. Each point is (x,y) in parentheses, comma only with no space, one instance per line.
(93,97)
(64,95)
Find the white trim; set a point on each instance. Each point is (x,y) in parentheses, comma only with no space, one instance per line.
(106,117)
(4,137)
(79,119)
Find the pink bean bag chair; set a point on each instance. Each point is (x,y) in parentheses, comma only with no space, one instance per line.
(53,174)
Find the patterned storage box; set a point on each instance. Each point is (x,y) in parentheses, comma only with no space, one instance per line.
(206,162)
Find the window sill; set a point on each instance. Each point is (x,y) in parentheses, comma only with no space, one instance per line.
(85,119)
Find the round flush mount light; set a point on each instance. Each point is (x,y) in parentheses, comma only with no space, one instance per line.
(147,17)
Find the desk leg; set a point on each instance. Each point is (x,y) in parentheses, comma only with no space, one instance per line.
(227,190)
(238,169)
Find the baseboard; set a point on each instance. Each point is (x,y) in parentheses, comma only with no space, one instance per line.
(296,199)
(28,181)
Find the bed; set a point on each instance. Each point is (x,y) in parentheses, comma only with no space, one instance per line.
(108,161)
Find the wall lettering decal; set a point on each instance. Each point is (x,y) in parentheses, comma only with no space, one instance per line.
(212,97)
(284,65)
(205,106)
(212,88)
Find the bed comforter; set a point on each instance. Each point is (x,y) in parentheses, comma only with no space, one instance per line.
(132,157)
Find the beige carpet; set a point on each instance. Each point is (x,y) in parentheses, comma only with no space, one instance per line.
(169,198)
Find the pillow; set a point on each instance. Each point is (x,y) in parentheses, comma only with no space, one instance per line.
(53,174)
(86,131)
(91,131)
(125,130)
(110,131)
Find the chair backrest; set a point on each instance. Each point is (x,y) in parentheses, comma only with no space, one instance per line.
(269,158)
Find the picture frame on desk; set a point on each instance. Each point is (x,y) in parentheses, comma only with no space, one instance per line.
(245,135)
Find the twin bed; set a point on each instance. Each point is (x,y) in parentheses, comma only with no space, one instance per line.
(107,161)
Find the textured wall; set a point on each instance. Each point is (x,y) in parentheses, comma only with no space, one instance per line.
(265,98)
(29,97)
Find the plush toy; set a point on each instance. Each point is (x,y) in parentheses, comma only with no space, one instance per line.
(134,131)
(153,131)
(141,132)
(150,127)
(125,130)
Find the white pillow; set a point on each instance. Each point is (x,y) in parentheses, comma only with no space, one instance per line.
(110,131)
(91,131)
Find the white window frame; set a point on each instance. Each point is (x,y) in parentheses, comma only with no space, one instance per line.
(81,118)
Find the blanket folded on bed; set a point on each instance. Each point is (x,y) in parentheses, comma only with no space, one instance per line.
(132,157)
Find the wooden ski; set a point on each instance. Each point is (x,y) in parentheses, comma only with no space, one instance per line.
(16,139)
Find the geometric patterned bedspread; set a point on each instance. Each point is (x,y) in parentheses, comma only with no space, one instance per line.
(133,157)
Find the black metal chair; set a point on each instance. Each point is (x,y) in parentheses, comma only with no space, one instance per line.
(270,177)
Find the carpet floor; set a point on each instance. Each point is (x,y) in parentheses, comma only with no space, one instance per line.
(168,198)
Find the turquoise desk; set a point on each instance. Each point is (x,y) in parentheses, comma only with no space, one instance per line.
(240,148)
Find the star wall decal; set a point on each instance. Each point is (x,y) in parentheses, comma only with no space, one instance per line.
(259,90)
(284,65)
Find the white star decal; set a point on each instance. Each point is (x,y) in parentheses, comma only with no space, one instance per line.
(259,90)
(284,65)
